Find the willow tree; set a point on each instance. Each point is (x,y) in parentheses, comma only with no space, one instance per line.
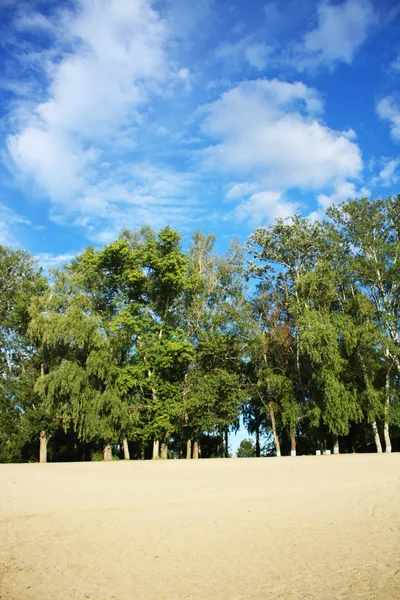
(79,369)
(366,341)
(281,254)
(114,280)
(371,231)
(21,415)
(270,367)
(213,314)
(325,332)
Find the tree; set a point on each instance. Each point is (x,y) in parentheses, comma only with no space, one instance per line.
(213,313)
(370,229)
(282,253)
(115,281)
(324,328)
(20,414)
(78,369)
(163,350)
(247,449)
(141,346)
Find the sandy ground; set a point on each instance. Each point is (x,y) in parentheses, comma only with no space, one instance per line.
(323,528)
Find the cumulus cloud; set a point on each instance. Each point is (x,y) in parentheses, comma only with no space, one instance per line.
(99,96)
(264,207)
(389,174)
(340,31)
(269,135)
(85,141)
(388,109)
(343,191)
(271,128)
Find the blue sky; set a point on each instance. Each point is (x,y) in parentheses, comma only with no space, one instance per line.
(202,114)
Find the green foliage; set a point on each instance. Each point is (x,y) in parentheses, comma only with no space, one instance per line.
(141,340)
(20,281)
(247,449)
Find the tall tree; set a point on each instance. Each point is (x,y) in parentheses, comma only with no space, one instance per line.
(213,311)
(371,231)
(282,254)
(21,417)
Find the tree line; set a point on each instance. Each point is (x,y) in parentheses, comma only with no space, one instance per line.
(142,349)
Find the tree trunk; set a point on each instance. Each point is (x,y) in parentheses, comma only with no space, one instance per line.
(156,448)
(258,450)
(189,449)
(336,449)
(221,448)
(107,451)
(270,406)
(226,435)
(374,425)
(273,425)
(377,437)
(84,451)
(292,442)
(164,450)
(386,433)
(195,449)
(44,439)
(125,444)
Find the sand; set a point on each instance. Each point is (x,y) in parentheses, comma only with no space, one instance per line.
(323,528)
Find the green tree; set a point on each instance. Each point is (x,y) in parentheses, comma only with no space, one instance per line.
(247,449)
(370,229)
(79,367)
(213,313)
(163,350)
(21,416)
(281,254)
(325,333)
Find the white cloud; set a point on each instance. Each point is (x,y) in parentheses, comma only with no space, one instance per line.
(343,191)
(100,93)
(388,109)
(395,65)
(257,55)
(246,50)
(50,261)
(28,19)
(55,163)
(134,194)
(340,32)
(269,129)
(9,223)
(238,190)
(270,137)
(264,207)
(389,174)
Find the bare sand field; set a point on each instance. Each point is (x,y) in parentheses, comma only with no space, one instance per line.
(323,528)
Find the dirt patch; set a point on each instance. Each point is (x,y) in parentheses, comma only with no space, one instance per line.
(323,528)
